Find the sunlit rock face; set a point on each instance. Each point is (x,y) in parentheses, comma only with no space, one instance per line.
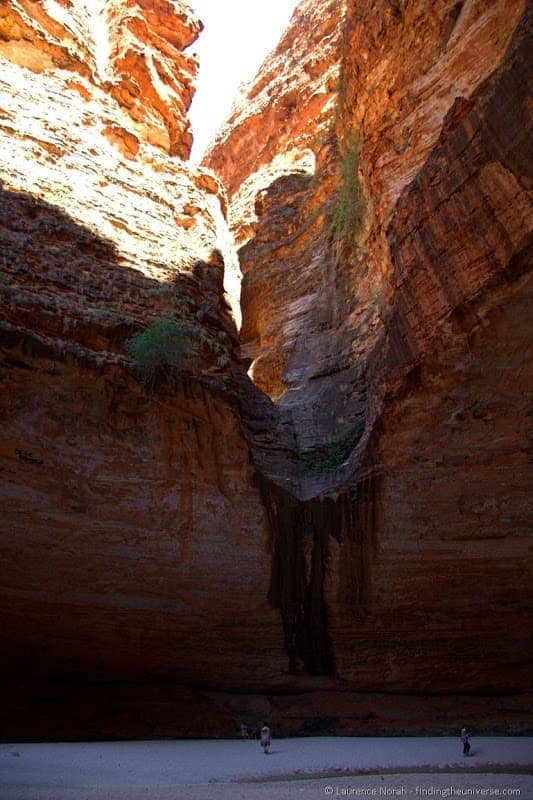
(100,226)
(266,155)
(290,102)
(384,311)
(134,544)
(133,50)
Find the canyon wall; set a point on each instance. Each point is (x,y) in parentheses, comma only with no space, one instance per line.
(384,302)
(338,542)
(135,549)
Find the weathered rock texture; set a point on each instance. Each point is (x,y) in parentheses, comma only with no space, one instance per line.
(344,548)
(385,299)
(133,50)
(290,102)
(134,543)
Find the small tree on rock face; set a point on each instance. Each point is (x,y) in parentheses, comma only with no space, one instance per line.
(162,352)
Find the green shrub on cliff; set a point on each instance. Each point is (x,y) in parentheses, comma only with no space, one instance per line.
(331,454)
(348,212)
(162,351)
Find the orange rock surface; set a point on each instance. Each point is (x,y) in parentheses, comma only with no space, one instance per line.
(384,311)
(129,519)
(341,547)
(132,50)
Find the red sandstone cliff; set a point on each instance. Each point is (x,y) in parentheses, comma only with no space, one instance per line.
(384,305)
(131,50)
(134,545)
(364,570)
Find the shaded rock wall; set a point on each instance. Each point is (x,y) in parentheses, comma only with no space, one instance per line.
(134,545)
(128,541)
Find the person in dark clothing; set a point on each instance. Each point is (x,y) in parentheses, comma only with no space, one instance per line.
(465,739)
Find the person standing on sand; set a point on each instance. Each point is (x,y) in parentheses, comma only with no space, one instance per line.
(465,737)
(265,738)
(244,730)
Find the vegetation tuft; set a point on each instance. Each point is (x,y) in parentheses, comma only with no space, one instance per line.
(347,215)
(169,348)
(331,455)
(162,352)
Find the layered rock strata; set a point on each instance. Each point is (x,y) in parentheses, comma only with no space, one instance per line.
(384,311)
(134,545)
(342,546)
(133,51)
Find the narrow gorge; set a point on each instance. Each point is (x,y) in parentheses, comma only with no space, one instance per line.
(325,518)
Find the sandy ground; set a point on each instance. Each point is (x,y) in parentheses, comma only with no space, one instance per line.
(295,768)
